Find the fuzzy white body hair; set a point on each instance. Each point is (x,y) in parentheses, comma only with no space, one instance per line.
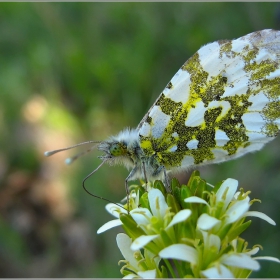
(127,135)
(133,157)
(130,137)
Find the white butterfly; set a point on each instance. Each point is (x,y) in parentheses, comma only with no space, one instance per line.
(222,103)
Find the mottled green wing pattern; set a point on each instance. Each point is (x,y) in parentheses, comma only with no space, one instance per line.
(222,103)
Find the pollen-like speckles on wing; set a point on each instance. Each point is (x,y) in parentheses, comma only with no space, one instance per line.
(271,87)
(220,113)
(169,85)
(249,54)
(168,106)
(271,111)
(226,48)
(260,70)
(198,75)
(149,120)
(270,129)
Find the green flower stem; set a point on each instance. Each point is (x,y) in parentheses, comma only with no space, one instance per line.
(170,268)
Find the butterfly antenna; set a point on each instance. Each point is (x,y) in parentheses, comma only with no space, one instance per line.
(50,153)
(71,159)
(105,199)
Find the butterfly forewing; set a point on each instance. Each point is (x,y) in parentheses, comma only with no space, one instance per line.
(222,103)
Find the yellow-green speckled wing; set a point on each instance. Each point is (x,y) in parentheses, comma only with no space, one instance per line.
(222,103)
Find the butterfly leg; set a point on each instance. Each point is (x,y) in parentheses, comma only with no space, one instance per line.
(145,174)
(166,178)
(160,170)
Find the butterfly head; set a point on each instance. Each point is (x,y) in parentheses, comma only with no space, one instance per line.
(122,148)
(113,149)
(118,149)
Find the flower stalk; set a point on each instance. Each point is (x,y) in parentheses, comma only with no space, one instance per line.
(192,232)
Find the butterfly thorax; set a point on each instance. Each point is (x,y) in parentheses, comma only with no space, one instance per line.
(124,148)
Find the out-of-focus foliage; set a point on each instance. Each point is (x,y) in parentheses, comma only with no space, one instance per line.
(72,72)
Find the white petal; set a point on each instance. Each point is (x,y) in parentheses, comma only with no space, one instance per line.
(240,260)
(141,216)
(214,241)
(253,251)
(236,195)
(180,217)
(157,202)
(236,211)
(226,191)
(259,215)
(217,272)
(267,259)
(206,222)
(148,274)
(108,225)
(195,199)
(115,210)
(124,243)
(180,252)
(211,240)
(141,241)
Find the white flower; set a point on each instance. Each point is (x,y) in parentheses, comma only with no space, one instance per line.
(241,260)
(134,260)
(180,252)
(233,205)
(194,231)
(115,210)
(226,192)
(226,206)
(211,242)
(206,222)
(152,222)
(234,260)
(237,210)
(259,215)
(124,242)
(219,271)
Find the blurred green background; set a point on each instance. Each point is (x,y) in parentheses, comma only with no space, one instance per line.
(72,72)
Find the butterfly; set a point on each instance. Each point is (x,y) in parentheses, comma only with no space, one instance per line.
(223,102)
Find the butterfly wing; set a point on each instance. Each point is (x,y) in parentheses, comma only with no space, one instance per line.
(222,103)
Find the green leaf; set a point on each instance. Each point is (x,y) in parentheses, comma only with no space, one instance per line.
(174,184)
(238,230)
(159,185)
(173,203)
(144,201)
(130,226)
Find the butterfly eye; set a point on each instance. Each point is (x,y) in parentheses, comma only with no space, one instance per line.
(118,149)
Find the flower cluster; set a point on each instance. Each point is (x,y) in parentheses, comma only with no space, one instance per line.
(192,232)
